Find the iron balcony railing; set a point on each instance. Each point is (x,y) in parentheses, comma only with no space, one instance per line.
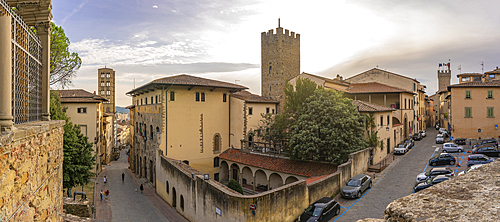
(26,69)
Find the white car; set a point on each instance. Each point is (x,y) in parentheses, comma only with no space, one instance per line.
(422,132)
(441,130)
(451,147)
(439,138)
(473,167)
(401,148)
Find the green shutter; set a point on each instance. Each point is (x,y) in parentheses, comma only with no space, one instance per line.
(490,94)
(468,112)
(490,111)
(467,94)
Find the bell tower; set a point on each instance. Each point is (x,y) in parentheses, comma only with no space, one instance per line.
(444,78)
(280,62)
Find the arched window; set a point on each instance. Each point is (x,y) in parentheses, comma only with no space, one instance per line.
(168,188)
(217,143)
(182,203)
(151,131)
(157,129)
(270,69)
(224,97)
(136,127)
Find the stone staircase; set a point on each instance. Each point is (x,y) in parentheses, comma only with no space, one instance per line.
(247,191)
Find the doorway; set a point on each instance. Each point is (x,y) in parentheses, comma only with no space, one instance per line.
(151,177)
(235,174)
(389,143)
(174,198)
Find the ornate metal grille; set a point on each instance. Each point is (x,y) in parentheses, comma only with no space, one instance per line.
(26,69)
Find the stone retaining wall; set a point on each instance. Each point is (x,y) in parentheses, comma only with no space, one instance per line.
(31,175)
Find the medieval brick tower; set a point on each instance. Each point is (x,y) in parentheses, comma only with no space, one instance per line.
(280,62)
(106,86)
(444,79)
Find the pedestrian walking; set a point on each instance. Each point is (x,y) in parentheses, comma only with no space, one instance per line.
(105,179)
(101,193)
(107,195)
(123,177)
(142,188)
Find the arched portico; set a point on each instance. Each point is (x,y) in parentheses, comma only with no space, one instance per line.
(234,172)
(260,178)
(247,176)
(275,180)
(291,179)
(224,171)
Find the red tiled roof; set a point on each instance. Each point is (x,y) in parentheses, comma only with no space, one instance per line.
(377,69)
(493,83)
(370,107)
(79,96)
(470,74)
(249,97)
(301,168)
(497,70)
(130,107)
(187,80)
(312,179)
(374,87)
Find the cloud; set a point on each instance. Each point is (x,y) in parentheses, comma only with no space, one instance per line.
(75,10)
(155,6)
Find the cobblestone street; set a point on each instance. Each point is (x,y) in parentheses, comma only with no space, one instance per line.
(126,203)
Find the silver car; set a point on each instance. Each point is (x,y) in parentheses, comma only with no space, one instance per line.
(436,171)
(356,186)
(451,147)
(439,138)
(422,132)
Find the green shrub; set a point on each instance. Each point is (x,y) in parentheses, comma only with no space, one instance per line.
(235,186)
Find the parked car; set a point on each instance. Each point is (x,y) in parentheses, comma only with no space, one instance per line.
(473,167)
(356,186)
(417,137)
(430,182)
(445,133)
(478,159)
(437,126)
(451,147)
(401,148)
(441,130)
(460,141)
(435,172)
(321,210)
(422,132)
(439,138)
(490,151)
(410,143)
(442,159)
(487,142)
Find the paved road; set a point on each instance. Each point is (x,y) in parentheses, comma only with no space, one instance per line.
(394,182)
(127,204)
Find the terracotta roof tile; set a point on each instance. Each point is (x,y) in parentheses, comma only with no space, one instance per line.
(249,97)
(79,96)
(370,107)
(187,80)
(374,87)
(497,70)
(301,168)
(493,83)
(337,81)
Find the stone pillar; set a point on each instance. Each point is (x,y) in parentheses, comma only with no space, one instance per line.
(254,185)
(6,117)
(43,30)
(370,98)
(385,100)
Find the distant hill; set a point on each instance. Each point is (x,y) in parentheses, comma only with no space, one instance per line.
(121,110)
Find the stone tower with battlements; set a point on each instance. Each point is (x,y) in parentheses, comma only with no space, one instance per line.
(280,62)
(444,79)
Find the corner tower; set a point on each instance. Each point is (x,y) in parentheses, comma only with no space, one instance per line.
(280,62)
(444,78)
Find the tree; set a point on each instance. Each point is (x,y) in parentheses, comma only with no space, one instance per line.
(369,125)
(63,63)
(235,186)
(295,97)
(328,128)
(276,128)
(78,159)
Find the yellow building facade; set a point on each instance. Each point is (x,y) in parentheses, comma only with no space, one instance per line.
(183,117)
(85,109)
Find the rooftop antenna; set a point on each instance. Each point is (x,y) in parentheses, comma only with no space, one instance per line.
(279,22)
(236,80)
(104,65)
(482,67)
(460,69)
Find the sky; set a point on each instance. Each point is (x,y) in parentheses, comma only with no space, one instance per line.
(220,39)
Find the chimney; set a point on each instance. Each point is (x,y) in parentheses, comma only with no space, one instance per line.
(94,92)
